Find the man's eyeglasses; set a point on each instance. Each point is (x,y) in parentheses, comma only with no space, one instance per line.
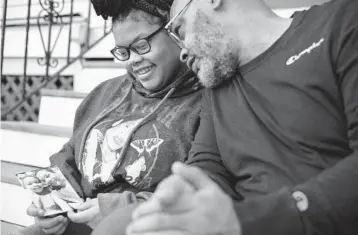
(168,26)
(141,47)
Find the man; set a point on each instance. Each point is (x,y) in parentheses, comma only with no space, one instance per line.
(280,124)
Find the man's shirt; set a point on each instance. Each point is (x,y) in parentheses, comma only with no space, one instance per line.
(272,132)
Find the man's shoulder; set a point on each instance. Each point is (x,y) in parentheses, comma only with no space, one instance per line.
(330,21)
(347,13)
(335,11)
(341,18)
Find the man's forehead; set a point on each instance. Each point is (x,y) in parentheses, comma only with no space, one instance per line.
(177,6)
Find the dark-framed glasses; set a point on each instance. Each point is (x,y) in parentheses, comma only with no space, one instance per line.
(168,26)
(141,47)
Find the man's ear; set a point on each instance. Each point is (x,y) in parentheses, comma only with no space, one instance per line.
(216,4)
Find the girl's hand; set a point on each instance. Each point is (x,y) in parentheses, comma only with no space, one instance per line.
(88,212)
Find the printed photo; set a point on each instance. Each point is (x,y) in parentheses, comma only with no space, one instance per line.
(50,190)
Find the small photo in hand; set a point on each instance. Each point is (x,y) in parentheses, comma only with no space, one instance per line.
(50,191)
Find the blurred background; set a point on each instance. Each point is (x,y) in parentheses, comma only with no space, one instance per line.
(53,52)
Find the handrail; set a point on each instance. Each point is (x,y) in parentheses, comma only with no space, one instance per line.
(70,33)
(50,15)
(26,47)
(12,5)
(3,23)
(36,128)
(35,17)
(3,115)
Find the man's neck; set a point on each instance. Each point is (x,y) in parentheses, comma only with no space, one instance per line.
(261,35)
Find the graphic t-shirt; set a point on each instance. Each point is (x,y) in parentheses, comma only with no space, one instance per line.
(152,149)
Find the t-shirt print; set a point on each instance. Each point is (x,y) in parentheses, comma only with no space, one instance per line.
(103,146)
(144,148)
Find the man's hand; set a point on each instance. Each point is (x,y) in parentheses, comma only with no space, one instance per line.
(88,212)
(186,202)
(55,225)
(172,194)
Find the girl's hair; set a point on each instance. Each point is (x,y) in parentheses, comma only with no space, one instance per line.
(119,10)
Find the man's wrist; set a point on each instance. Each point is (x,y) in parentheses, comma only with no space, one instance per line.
(275,213)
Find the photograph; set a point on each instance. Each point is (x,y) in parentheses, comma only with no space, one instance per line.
(50,191)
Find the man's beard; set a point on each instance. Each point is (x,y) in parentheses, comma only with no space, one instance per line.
(214,49)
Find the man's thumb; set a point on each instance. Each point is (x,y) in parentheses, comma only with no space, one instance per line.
(172,189)
(193,175)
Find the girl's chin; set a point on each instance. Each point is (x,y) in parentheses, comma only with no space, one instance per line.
(150,87)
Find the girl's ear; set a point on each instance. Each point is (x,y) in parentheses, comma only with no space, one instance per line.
(164,13)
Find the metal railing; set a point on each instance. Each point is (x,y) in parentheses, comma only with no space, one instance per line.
(3,23)
(48,16)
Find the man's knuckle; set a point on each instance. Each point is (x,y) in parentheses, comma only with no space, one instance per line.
(207,198)
(159,221)
(46,231)
(156,220)
(41,223)
(60,231)
(171,180)
(215,189)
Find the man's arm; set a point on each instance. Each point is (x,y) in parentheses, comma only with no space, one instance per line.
(332,197)
(204,152)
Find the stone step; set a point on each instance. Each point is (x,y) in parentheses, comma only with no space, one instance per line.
(25,146)
(31,144)
(89,77)
(10,169)
(14,202)
(9,228)
(293,3)
(58,107)
(14,217)
(287,12)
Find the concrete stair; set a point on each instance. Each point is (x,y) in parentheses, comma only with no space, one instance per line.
(24,147)
(14,202)
(58,107)
(287,13)
(31,143)
(10,169)
(88,78)
(98,66)
(9,228)
(14,217)
(293,3)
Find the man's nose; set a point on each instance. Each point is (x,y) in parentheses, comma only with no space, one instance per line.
(184,54)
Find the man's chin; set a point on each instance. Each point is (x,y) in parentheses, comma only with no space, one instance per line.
(209,81)
(213,73)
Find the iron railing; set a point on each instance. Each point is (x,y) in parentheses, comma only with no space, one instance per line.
(49,16)
(3,23)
